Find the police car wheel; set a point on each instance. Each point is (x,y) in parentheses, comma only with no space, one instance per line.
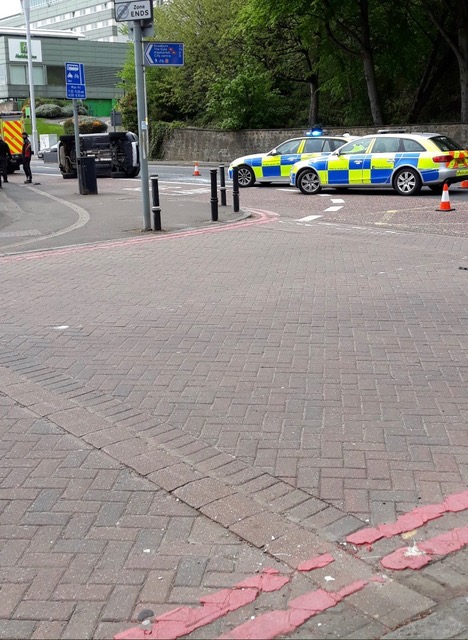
(407,182)
(246,176)
(308,182)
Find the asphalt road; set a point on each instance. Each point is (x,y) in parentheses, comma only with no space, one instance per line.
(27,215)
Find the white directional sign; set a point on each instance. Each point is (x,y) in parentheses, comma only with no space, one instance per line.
(126,11)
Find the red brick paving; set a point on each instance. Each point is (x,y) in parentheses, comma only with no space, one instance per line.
(293,383)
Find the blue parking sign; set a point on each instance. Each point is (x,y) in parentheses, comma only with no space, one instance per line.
(75,81)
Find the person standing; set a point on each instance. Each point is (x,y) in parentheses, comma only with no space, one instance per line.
(26,154)
(5,155)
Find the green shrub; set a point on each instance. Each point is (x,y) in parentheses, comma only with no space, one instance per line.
(67,110)
(127,105)
(87,124)
(49,111)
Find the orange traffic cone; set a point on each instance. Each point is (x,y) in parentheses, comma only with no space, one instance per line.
(445,201)
(195,170)
(464,184)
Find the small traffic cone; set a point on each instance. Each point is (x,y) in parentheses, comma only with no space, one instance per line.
(445,201)
(464,184)
(195,170)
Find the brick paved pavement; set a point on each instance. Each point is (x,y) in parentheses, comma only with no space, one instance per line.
(277,382)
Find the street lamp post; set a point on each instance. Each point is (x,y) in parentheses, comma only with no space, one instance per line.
(25,5)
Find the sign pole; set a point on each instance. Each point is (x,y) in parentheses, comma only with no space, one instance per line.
(76,126)
(32,100)
(142,123)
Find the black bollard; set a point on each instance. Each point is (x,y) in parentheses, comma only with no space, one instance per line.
(222,185)
(156,209)
(214,195)
(235,189)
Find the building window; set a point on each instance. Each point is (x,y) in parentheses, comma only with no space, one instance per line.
(56,75)
(38,76)
(3,74)
(17,74)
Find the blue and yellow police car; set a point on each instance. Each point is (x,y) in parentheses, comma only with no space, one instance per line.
(275,166)
(401,161)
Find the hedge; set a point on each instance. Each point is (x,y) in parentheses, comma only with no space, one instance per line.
(87,124)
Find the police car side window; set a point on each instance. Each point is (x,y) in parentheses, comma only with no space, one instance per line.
(331,145)
(386,145)
(314,145)
(356,146)
(411,145)
(291,146)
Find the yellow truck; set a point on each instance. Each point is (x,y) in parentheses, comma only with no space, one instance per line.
(11,128)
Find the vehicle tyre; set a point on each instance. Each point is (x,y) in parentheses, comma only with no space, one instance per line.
(246,176)
(118,174)
(308,182)
(407,182)
(133,173)
(69,176)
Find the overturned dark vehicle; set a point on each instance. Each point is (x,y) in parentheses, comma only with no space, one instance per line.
(116,154)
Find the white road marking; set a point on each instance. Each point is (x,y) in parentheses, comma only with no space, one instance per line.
(19,234)
(336,208)
(337,200)
(83,219)
(308,218)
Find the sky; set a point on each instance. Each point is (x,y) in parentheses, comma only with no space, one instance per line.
(9,7)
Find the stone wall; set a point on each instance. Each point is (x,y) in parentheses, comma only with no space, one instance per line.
(215,145)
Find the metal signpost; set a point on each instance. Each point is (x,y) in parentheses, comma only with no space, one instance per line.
(164,54)
(139,14)
(25,5)
(76,90)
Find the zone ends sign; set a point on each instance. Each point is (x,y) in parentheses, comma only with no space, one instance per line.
(126,10)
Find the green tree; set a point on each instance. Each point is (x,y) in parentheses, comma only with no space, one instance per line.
(285,38)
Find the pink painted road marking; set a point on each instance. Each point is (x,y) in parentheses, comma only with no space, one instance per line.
(411,520)
(263,217)
(278,623)
(316,563)
(183,620)
(420,555)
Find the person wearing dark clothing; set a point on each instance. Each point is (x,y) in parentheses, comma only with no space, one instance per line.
(5,155)
(26,154)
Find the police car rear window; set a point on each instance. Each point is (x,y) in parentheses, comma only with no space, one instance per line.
(446,144)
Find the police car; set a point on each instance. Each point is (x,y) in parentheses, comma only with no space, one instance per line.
(275,166)
(397,160)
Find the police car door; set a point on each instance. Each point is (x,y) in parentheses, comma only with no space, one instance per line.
(382,160)
(278,163)
(346,166)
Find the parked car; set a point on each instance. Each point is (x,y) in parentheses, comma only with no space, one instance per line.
(51,149)
(390,159)
(275,166)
